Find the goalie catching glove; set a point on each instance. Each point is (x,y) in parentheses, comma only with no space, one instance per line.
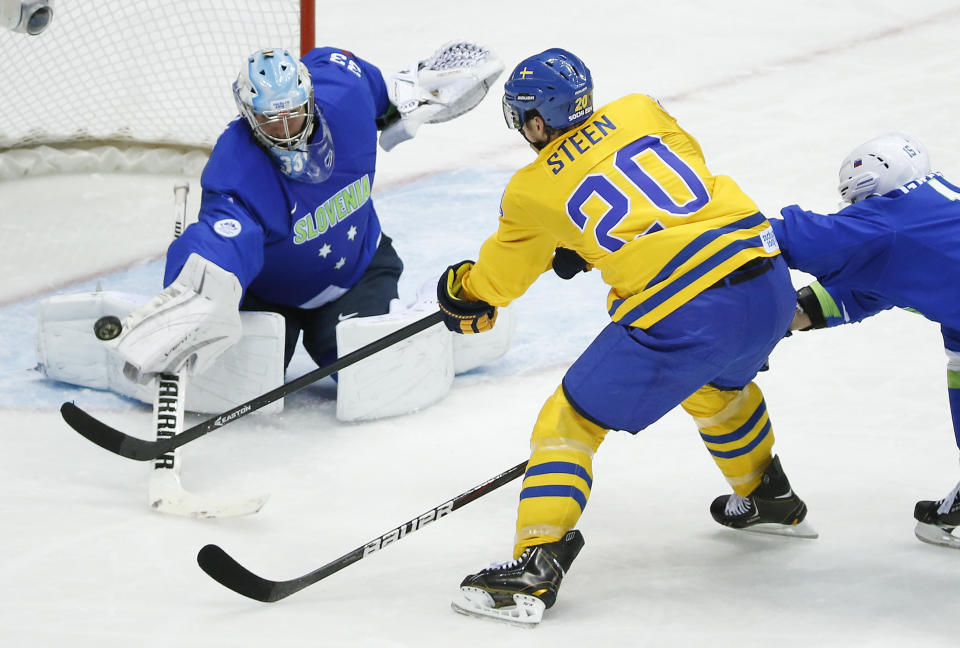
(462,315)
(194,320)
(448,84)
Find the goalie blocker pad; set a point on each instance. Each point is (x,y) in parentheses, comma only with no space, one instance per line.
(68,351)
(193,320)
(416,372)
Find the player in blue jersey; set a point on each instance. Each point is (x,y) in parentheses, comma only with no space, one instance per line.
(698,298)
(897,243)
(287,223)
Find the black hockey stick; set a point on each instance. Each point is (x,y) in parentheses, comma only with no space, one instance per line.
(221,567)
(143,450)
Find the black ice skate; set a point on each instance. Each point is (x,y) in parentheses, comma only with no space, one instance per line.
(772,507)
(520,590)
(937,520)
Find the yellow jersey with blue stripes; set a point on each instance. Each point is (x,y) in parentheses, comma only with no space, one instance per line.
(630,192)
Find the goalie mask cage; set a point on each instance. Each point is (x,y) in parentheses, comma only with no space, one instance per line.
(133,85)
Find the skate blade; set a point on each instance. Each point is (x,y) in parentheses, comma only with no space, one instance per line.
(527,613)
(801,530)
(933,534)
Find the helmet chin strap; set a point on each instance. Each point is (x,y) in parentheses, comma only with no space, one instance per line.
(311,127)
(537,145)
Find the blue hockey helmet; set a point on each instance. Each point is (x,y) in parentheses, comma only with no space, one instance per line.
(274,93)
(555,83)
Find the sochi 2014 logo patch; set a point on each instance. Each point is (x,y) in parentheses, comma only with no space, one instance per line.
(227,228)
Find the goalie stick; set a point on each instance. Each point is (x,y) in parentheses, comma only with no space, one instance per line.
(224,569)
(165,492)
(139,449)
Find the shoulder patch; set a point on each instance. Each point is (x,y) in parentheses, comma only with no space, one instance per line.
(227,228)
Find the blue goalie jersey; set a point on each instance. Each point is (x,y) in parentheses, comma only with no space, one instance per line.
(901,249)
(294,243)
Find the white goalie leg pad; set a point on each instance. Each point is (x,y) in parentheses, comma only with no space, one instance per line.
(451,82)
(472,351)
(478,349)
(416,372)
(400,379)
(251,367)
(193,320)
(68,351)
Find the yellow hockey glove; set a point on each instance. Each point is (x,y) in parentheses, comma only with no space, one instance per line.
(462,315)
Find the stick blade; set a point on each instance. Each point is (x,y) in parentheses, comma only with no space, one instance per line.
(186,504)
(221,567)
(107,437)
(167,495)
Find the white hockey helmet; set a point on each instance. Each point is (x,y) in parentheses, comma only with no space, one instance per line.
(274,93)
(275,88)
(880,165)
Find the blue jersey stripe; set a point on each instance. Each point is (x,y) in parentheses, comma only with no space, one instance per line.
(555,491)
(695,246)
(702,241)
(741,431)
(685,280)
(739,452)
(561,467)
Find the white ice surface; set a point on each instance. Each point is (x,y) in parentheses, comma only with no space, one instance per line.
(776,93)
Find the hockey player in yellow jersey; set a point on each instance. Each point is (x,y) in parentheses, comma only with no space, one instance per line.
(699,296)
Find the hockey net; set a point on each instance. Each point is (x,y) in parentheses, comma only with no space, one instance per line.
(132,85)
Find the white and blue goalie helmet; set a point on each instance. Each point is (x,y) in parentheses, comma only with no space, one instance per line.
(274,94)
(880,165)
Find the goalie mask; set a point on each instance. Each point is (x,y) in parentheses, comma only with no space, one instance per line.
(274,94)
(555,83)
(880,165)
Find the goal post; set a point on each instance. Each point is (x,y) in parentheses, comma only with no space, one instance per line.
(133,85)
(308,25)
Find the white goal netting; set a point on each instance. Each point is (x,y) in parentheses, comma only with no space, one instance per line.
(130,85)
